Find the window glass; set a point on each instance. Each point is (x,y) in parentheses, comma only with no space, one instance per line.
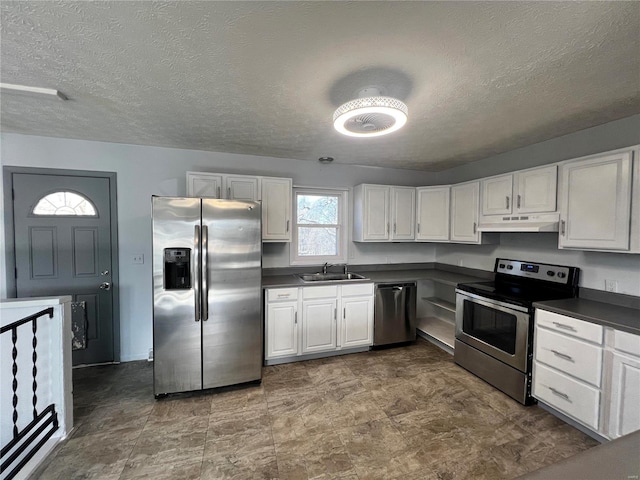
(319,231)
(66,204)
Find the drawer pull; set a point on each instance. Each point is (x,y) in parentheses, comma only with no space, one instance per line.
(562,355)
(560,394)
(284,295)
(566,327)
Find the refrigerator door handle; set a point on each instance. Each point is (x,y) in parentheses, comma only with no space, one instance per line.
(205,273)
(195,270)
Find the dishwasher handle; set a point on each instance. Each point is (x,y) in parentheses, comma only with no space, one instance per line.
(394,286)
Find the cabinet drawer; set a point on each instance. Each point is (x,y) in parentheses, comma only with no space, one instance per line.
(570,326)
(570,355)
(626,342)
(327,291)
(568,395)
(358,289)
(280,294)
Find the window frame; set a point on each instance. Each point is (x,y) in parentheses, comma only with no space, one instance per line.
(341,233)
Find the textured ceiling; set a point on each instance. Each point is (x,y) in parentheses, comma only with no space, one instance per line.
(264,78)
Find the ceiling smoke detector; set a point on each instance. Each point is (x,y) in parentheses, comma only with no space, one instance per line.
(370,115)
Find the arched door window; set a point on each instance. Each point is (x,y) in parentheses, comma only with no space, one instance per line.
(64,203)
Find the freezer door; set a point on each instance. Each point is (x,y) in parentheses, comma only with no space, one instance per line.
(177,333)
(232,292)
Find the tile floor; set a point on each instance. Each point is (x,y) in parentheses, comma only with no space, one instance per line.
(405,413)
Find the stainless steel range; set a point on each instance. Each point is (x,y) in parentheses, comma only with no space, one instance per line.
(494,321)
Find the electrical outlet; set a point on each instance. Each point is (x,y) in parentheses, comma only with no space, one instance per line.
(137,258)
(611,285)
(460,262)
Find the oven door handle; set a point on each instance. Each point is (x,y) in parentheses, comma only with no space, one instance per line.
(489,302)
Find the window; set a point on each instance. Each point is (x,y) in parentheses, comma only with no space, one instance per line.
(319,226)
(64,203)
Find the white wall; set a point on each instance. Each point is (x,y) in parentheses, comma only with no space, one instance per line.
(543,247)
(145,171)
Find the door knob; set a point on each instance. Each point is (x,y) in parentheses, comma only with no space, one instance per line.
(105,286)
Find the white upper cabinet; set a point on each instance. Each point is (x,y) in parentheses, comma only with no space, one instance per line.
(432,216)
(204,185)
(535,191)
(595,206)
(275,193)
(528,191)
(403,213)
(383,213)
(276,209)
(464,212)
(242,188)
(218,185)
(497,193)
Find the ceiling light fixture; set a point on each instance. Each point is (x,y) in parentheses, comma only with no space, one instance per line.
(370,115)
(325,159)
(24,89)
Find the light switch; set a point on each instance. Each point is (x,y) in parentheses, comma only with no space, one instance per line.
(138,258)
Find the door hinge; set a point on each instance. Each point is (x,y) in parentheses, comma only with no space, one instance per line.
(13,194)
(15,272)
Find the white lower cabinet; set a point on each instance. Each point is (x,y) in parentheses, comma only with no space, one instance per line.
(282,334)
(588,372)
(624,414)
(357,316)
(282,328)
(331,318)
(319,325)
(575,398)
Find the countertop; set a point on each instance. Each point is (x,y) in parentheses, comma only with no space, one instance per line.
(609,315)
(617,459)
(378,276)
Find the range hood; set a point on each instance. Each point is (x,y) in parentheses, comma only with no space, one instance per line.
(546,222)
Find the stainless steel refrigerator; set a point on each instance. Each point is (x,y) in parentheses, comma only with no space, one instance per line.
(207,298)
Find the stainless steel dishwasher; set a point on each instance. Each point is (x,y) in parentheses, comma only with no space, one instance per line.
(394,313)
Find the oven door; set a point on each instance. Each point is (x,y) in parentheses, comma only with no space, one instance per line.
(498,329)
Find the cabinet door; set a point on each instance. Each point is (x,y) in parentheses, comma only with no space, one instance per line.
(432,219)
(276,209)
(403,213)
(496,195)
(376,212)
(535,190)
(242,188)
(464,212)
(624,416)
(204,185)
(596,203)
(357,321)
(282,329)
(319,325)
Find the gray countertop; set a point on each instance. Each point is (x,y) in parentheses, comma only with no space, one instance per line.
(378,276)
(618,459)
(606,314)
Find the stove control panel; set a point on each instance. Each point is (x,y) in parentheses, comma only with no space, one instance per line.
(540,271)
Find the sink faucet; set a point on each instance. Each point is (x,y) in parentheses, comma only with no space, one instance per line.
(345,269)
(325,267)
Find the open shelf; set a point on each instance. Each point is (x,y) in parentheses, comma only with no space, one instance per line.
(439,329)
(439,302)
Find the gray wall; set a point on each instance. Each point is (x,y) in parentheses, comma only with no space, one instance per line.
(145,171)
(609,136)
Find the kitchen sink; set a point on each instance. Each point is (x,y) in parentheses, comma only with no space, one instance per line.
(329,277)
